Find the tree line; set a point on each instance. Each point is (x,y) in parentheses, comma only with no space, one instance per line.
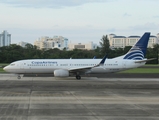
(15,52)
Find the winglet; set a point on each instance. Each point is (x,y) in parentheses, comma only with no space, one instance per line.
(102,61)
(94,57)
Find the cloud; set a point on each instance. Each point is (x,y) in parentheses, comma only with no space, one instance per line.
(126,15)
(111,30)
(49,3)
(156,16)
(146,26)
(140,29)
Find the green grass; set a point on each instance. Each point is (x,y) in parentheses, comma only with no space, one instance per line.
(3,64)
(1,70)
(1,67)
(152,65)
(142,70)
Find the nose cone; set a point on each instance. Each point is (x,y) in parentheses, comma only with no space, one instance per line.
(5,68)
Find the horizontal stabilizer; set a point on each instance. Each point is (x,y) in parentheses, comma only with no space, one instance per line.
(140,61)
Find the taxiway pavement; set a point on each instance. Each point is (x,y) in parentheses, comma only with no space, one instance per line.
(49,98)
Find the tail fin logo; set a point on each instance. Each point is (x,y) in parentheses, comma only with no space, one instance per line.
(138,51)
(135,54)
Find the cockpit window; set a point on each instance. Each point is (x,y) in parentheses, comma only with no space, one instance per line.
(12,64)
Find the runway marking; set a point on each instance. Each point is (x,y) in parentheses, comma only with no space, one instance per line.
(30,98)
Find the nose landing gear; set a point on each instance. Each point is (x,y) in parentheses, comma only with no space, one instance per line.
(78,77)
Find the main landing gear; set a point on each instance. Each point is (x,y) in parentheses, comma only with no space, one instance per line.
(19,77)
(78,77)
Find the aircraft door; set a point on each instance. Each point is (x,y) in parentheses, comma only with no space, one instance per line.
(124,64)
(21,65)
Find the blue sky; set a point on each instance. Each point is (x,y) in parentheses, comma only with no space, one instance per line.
(78,20)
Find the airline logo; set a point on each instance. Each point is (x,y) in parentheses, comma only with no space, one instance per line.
(43,62)
(135,54)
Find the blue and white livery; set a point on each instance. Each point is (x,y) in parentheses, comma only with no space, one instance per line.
(135,57)
(138,51)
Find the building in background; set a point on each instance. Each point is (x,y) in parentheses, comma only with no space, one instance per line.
(117,41)
(5,39)
(88,46)
(122,41)
(23,44)
(153,40)
(158,35)
(51,43)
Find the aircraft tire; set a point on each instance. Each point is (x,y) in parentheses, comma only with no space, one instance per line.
(78,77)
(19,77)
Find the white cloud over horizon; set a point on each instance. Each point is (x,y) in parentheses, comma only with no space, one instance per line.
(49,3)
(77,20)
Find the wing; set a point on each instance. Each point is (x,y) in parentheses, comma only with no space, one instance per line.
(83,69)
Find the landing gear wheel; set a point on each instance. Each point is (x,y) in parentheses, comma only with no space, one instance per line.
(19,77)
(78,77)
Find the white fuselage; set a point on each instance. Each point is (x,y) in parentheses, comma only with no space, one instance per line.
(50,65)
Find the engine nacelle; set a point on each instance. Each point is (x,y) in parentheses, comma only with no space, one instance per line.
(61,73)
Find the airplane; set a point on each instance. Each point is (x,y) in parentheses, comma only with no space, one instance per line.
(134,58)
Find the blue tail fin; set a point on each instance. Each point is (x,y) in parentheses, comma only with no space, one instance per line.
(138,51)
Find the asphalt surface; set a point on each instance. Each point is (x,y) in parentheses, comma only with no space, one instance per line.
(108,75)
(48,98)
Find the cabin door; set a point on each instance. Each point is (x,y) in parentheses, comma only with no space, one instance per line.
(21,65)
(124,64)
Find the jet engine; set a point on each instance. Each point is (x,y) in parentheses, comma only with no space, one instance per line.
(61,73)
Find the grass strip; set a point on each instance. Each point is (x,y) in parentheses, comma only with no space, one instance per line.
(1,70)
(142,70)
